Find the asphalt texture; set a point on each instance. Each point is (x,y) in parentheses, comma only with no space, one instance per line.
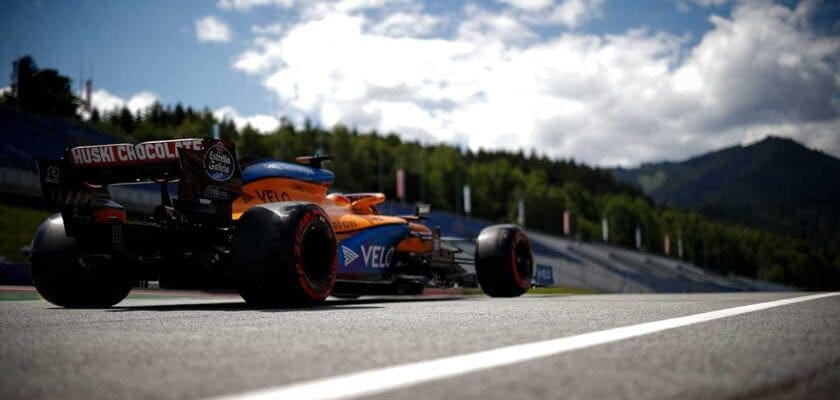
(195,348)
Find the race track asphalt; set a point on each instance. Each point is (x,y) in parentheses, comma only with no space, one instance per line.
(198,348)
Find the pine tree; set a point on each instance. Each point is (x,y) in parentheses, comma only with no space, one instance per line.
(41,91)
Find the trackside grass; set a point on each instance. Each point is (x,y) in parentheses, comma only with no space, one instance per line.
(559,290)
(17,225)
(19,296)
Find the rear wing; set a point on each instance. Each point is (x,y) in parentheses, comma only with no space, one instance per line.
(206,170)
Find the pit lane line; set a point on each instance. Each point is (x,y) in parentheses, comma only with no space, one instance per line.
(386,379)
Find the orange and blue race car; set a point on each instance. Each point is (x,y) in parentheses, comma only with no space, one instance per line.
(270,229)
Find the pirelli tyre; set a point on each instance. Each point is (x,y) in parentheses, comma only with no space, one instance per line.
(64,278)
(284,254)
(503,261)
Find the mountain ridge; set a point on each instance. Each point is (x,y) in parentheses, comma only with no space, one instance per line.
(776,183)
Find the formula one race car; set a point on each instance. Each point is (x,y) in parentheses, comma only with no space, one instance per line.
(268,228)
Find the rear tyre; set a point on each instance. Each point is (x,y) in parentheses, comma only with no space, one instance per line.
(284,254)
(62,278)
(503,261)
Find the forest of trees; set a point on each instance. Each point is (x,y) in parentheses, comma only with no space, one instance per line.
(498,180)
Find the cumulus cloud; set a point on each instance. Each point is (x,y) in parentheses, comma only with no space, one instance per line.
(211,29)
(402,24)
(529,5)
(572,13)
(261,122)
(685,5)
(481,25)
(104,101)
(311,8)
(5,89)
(710,3)
(568,13)
(760,66)
(762,70)
(492,82)
(141,101)
(356,78)
(244,5)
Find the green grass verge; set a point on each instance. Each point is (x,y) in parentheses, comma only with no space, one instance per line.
(559,290)
(17,225)
(19,296)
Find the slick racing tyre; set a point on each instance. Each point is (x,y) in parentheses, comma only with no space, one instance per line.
(62,277)
(284,254)
(503,261)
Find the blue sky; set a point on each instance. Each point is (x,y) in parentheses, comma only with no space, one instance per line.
(605,82)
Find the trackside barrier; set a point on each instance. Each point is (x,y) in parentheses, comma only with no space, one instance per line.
(20,182)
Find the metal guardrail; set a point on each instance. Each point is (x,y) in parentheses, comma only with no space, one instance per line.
(20,182)
(613,269)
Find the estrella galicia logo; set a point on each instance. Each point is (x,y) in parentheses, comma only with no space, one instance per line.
(218,163)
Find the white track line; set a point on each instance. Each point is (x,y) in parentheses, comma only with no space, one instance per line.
(380,380)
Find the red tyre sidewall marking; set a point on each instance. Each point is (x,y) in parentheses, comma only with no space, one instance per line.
(308,290)
(334,267)
(516,276)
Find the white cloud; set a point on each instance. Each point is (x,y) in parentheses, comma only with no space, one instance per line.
(255,61)
(572,13)
(482,25)
(351,79)
(349,6)
(529,5)
(317,9)
(403,24)
(311,8)
(710,3)
(211,29)
(605,99)
(568,13)
(685,5)
(245,5)
(261,122)
(104,101)
(5,89)
(760,66)
(141,101)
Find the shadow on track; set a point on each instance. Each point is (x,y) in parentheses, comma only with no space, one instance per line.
(339,304)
